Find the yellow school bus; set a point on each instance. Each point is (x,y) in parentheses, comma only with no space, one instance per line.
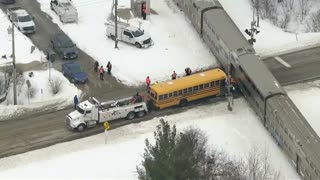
(185,89)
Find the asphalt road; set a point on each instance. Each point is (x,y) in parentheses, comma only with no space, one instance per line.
(35,131)
(295,67)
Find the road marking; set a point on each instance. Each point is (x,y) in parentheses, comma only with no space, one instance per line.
(282,62)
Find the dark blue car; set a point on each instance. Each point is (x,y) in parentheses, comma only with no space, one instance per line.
(74,72)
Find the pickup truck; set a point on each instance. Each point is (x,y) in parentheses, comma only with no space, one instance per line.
(91,112)
(65,10)
(21,19)
(129,34)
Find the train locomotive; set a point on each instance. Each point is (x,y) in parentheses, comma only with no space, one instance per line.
(265,95)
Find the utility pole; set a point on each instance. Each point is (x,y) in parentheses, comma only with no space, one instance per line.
(116,23)
(14,67)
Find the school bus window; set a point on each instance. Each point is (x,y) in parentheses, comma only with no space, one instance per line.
(201,86)
(180,92)
(195,88)
(189,90)
(161,97)
(175,93)
(217,83)
(206,85)
(165,96)
(211,84)
(170,94)
(185,91)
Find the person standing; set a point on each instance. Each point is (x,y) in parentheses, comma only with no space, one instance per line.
(109,67)
(144,11)
(101,72)
(148,81)
(75,101)
(174,75)
(96,66)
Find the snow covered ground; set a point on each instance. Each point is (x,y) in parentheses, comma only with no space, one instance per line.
(271,39)
(22,44)
(236,132)
(177,44)
(43,98)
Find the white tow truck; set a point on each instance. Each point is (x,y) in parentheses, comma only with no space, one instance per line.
(92,112)
(129,34)
(65,10)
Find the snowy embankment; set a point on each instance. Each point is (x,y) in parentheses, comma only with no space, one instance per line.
(22,45)
(176,43)
(236,132)
(41,98)
(271,40)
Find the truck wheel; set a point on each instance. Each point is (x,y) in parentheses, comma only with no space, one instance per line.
(81,127)
(140,114)
(183,102)
(131,115)
(138,45)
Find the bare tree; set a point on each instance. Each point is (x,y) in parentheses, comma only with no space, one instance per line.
(304,8)
(314,23)
(55,85)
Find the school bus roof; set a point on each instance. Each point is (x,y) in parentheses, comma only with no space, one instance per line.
(188,81)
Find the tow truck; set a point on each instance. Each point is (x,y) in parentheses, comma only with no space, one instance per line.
(92,112)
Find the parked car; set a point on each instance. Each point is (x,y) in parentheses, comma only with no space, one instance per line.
(7,1)
(21,19)
(64,46)
(65,10)
(74,72)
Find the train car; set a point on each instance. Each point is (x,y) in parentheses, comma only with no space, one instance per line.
(278,113)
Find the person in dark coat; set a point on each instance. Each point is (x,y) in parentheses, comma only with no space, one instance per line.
(109,67)
(188,71)
(174,75)
(96,66)
(75,101)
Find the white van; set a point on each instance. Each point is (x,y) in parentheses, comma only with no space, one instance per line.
(129,34)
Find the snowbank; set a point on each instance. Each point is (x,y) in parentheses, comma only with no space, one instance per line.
(43,99)
(22,44)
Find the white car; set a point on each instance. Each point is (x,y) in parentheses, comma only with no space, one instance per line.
(21,19)
(65,10)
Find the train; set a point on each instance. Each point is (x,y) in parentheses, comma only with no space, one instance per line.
(277,112)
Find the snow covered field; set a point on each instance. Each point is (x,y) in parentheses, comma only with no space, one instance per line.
(271,39)
(43,98)
(176,43)
(22,44)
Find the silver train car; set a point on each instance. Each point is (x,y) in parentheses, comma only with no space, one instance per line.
(278,113)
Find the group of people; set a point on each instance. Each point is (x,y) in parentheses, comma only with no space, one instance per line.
(101,70)
(173,76)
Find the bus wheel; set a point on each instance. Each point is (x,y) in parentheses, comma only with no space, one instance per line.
(131,115)
(183,102)
(140,114)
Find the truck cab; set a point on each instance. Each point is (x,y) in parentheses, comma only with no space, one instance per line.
(129,34)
